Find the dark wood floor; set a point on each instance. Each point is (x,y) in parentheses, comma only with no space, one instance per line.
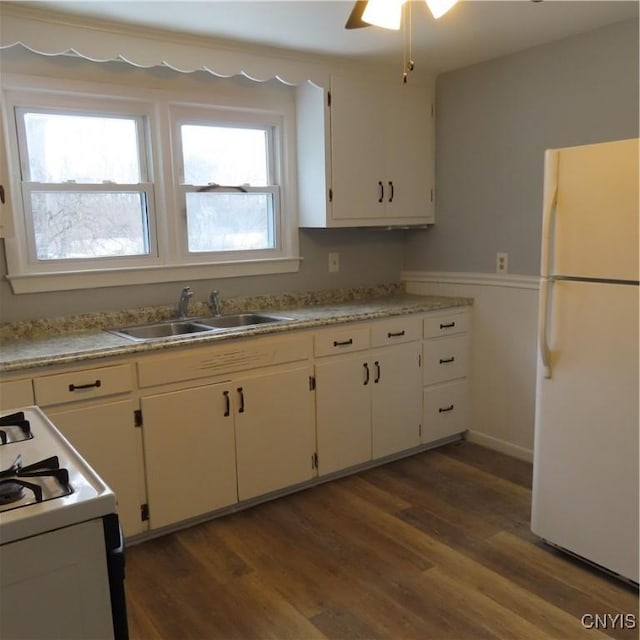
(436,546)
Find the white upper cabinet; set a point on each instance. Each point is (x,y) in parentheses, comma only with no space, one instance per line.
(365,154)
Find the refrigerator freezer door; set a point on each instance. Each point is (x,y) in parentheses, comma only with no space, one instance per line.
(585,482)
(595,232)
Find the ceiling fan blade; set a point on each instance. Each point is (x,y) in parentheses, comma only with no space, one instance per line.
(355,20)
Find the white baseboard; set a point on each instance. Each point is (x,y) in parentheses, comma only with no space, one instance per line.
(502,446)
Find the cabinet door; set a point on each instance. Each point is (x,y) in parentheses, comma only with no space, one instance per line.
(189,447)
(275,437)
(409,171)
(106,436)
(396,399)
(343,412)
(358,110)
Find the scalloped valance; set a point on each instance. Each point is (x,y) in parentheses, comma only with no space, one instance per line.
(52,34)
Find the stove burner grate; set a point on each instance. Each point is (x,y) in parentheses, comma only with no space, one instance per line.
(13,422)
(12,485)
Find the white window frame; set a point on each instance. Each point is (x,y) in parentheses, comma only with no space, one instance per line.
(145,186)
(260,120)
(169,260)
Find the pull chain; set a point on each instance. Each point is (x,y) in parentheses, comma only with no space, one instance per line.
(407,22)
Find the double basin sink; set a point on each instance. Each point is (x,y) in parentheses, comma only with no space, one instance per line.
(196,326)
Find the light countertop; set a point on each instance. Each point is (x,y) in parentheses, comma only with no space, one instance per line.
(74,346)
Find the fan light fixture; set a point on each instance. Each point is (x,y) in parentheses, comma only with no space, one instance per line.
(384,13)
(388,13)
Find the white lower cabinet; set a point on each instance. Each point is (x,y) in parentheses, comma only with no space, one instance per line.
(243,418)
(275,430)
(343,412)
(368,405)
(395,399)
(445,374)
(106,436)
(189,447)
(230,441)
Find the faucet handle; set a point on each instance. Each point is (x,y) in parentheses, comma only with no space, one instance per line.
(214,302)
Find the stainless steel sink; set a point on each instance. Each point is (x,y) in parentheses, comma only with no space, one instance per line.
(167,329)
(174,328)
(241,320)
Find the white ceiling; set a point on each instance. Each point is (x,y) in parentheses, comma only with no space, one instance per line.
(473,31)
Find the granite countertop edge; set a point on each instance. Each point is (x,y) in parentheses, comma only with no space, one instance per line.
(95,344)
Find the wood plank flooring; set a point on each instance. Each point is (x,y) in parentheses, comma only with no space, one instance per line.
(432,547)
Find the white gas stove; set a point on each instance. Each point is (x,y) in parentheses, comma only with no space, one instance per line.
(59,537)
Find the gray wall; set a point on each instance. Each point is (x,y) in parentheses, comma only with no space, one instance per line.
(366,258)
(493,122)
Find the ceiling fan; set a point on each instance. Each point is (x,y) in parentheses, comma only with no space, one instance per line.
(388,13)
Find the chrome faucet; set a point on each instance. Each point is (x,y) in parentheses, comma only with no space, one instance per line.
(214,303)
(183,305)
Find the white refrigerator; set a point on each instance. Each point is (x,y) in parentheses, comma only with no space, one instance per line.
(585,466)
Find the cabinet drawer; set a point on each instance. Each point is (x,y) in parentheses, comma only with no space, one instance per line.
(343,340)
(395,330)
(82,385)
(446,324)
(446,359)
(446,410)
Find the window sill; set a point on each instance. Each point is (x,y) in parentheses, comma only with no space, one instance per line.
(71,280)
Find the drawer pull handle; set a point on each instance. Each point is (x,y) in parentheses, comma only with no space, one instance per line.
(344,343)
(449,408)
(397,334)
(392,191)
(450,325)
(241,395)
(378,371)
(76,387)
(227,404)
(447,360)
(381,198)
(366,370)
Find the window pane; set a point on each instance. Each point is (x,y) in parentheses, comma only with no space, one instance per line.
(87,149)
(224,155)
(230,221)
(89,225)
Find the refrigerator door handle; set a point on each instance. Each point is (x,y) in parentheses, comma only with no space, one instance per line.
(549,201)
(543,315)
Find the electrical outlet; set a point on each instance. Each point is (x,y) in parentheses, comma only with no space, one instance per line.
(502,262)
(334,262)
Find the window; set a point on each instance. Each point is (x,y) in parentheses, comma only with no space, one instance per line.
(229,185)
(84,184)
(135,186)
